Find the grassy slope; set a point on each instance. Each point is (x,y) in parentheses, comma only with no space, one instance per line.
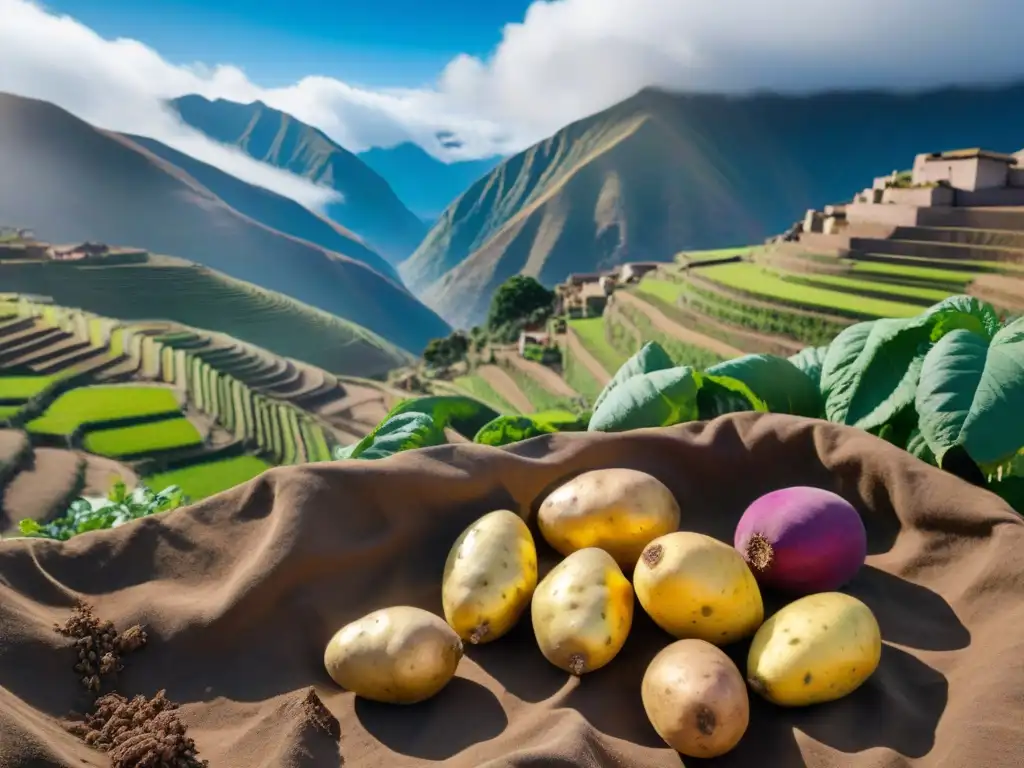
(174,289)
(660,172)
(142,438)
(591,333)
(74,182)
(102,403)
(757,281)
(202,480)
(475,386)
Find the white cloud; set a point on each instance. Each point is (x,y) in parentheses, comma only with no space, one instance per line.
(566,59)
(120,85)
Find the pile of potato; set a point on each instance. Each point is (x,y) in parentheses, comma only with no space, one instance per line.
(699,590)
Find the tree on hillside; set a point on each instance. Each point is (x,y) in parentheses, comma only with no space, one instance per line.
(441,353)
(518,302)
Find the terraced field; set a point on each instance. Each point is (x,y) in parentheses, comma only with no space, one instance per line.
(156,400)
(196,296)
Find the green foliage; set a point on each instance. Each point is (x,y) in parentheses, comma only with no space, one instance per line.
(513,429)
(418,423)
(441,353)
(518,302)
(210,477)
(946,385)
(120,507)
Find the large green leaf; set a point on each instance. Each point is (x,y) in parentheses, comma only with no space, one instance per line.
(918,446)
(809,360)
(871,369)
(650,357)
(512,429)
(723,394)
(655,399)
(971,394)
(401,432)
(782,386)
(465,415)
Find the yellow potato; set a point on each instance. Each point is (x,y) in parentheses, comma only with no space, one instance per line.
(816,649)
(398,655)
(489,577)
(696,699)
(694,586)
(582,611)
(617,510)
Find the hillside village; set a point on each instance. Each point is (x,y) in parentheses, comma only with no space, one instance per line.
(952,224)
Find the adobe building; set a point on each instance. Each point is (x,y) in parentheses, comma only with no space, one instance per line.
(965,169)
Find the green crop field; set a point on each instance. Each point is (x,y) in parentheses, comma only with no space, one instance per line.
(854,285)
(23,387)
(541,398)
(474,386)
(681,352)
(733,310)
(579,377)
(102,403)
(755,280)
(142,438)
(591,333)
(6,411)
(661,289)
(911,272)
(202,480)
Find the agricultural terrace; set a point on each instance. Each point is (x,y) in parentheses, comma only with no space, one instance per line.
(195,296)
(160,402)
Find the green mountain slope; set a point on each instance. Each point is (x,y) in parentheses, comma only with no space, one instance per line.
(71,182)
(660,172)
(168,288)
(276,211)
(369,207)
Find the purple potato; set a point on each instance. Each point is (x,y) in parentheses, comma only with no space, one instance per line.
(802,540)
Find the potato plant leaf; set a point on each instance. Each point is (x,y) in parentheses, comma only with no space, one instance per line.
(511,429)
(655,399)
(719,395)
(971,394)
(650,357)
(465,415)
(401,432)
(871,370)
(809,360)
(776,381)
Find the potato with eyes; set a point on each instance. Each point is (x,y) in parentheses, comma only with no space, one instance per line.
(582,611)
(397,655)
(618,510)
(489,577)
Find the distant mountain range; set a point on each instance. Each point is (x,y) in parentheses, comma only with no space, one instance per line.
(662,172)
(369,206)
(71,182)
(424,183)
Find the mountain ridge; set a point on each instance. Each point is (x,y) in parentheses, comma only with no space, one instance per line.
(681,171)
(425,184)
(369,206)
(70,182)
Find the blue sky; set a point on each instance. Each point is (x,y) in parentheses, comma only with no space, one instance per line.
(364,42)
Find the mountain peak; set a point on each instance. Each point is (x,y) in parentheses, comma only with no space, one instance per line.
(369,206)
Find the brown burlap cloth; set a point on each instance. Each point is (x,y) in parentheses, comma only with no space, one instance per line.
(240,593)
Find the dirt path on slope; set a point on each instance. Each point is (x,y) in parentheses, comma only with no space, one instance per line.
(543,375)
(583,355)
(668,326)
(505,386)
